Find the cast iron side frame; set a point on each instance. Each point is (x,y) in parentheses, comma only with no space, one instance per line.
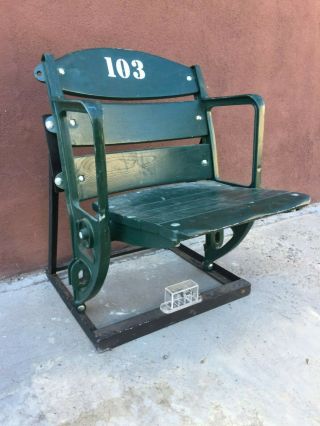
(109,337)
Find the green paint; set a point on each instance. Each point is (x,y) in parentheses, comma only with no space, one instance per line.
(195,203)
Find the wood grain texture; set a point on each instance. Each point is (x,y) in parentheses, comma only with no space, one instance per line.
(186,210)
(145,122)
(137,169)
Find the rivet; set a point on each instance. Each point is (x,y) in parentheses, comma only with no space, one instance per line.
(198,117)
(58,180)
(72,122)
(81,178)
(210,266)
(189,78)
(81,308)
(204,162)
(80,274)
(49,124)
(295,194)
(80,235)
(175,224)
(61,71)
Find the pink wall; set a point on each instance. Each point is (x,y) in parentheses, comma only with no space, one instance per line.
(269,47)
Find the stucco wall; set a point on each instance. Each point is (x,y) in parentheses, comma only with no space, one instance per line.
(267,47)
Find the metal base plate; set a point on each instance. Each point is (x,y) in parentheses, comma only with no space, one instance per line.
(105,338)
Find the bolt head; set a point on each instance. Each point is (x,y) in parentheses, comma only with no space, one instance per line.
(81,178)
(198,117)
(81,235)
(58,181)
(189,78)
(61,71)
(175,225)
(49,124)
(204,162)
(72,122)
(81,308)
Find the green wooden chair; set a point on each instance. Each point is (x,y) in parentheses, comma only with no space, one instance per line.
(175,192)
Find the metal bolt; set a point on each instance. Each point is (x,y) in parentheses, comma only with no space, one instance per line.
(72,122)
(49,123)
(81,235)
(58,180)
(210,266)
(61,71)
(198,117)
(81,178)
(80,274)
(175,224)
(204,162)
(189,78)
(81,308)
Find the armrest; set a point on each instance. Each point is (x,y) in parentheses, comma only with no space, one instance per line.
(255,100)
(95,114)
(259,107)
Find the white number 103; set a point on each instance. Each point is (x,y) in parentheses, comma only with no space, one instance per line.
(123,68)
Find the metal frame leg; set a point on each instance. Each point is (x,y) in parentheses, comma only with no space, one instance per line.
(53,225)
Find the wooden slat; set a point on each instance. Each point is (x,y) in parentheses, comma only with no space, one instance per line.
(137,169)
(197,208)
(124,74)
(131,123)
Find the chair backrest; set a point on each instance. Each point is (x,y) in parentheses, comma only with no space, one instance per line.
(126,75)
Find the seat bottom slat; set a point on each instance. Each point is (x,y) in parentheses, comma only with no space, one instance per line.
(185,210)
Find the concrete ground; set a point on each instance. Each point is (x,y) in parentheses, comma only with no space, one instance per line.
(250,363)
